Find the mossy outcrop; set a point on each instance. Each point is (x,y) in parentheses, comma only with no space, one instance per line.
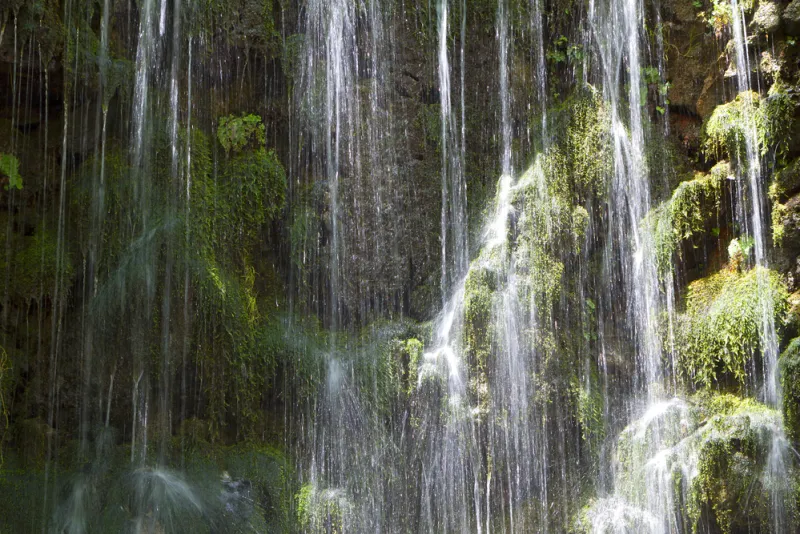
(693,208)
(734,487)
(729,126)
(767,17)
(791,17)
(324,511)
(719,335)
(710,459)
(790,386)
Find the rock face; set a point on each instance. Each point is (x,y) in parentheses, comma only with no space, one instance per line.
(767,18)
(694,71)
(791,17)
(686,465)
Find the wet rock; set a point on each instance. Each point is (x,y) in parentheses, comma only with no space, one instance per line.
(787,256)
(791,17)
(767,18)
(710,454)
(788,180)
(693,60)
(790,382)
(236,498)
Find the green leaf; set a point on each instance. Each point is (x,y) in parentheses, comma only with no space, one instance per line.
(234,133)
(9,165)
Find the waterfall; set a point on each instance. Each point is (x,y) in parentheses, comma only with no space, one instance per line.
(753,220)
(630,196)
(750,172)
(330,67)
(454,188)
(329,266)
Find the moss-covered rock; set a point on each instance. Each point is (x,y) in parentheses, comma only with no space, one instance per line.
(727,128)
(785,182)
(37,266)
(775,121)
(254,190)
(662,427)
(766,122)
(9,172)
(478,308)
(693,465)
(694,204)
(767,18)
(327,511)
(408,355)
(791,17)
(265,474)
(720,332)
(790,384)
(613,516)
(732,487)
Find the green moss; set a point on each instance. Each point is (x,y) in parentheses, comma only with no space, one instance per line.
(687,213)
(581,163)
(385,359)
(550,220)
(35,267)
(269,473)
(770,120)
(726,129)
(409,353)
(719,333)
(658,223)
(234,133)
(589,402)
(588,150)
(478,327)
(721,16)
(775,121)
(778,216)
(790,385)
(233,208)
(254,188)
(693,203)
(228,216)
(734,446)
(240,350)
(663,426)
(429,121)
(767,17)
(785,182)
(9,167)
(323,511)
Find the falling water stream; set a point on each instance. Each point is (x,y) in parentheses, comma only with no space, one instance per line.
(369,266)
(750,172)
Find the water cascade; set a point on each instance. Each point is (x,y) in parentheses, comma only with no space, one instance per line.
(462,266)
(749,170)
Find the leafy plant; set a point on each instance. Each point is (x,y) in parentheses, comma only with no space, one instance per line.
(727,129)
(775,121)
(692,205)
(9,165)
(720,332)
(235,133)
